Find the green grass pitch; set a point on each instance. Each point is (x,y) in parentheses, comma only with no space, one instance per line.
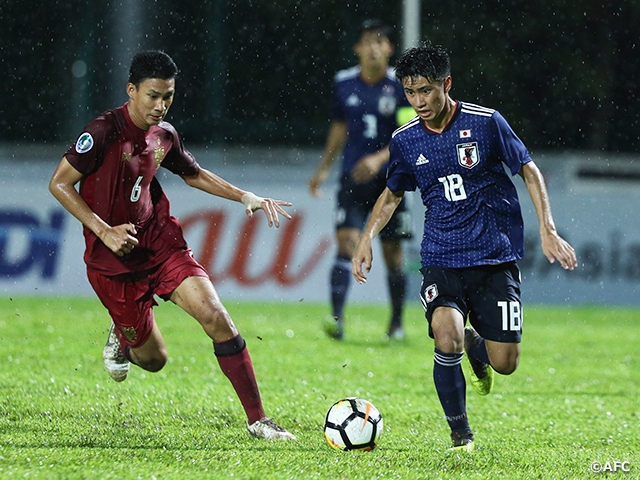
(572,406)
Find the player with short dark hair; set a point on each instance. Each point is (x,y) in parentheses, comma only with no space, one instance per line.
(135,249)
(368,104)
(149,64)
(455,154)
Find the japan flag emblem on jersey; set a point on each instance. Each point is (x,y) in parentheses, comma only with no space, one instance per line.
(430,293)
(468,154)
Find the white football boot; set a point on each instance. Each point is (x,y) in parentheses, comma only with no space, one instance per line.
(270,430)
(114,360)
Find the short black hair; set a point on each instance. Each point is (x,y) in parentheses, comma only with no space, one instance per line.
(373,25)
(429,61)
(151,64)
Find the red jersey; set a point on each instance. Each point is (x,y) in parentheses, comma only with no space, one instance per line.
(119,161)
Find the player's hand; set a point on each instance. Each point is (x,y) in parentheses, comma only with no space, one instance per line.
(120,239)
(366,169)
(363,255)
(555,248)
(270,207)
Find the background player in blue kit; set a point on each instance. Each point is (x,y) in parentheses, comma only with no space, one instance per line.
(366,109)
(455,154)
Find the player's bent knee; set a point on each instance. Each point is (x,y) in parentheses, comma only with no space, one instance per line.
(221,319)
(218,324)
(449,343)
(507,366)
(153,365)
(504,357)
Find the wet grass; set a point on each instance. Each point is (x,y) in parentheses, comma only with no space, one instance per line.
(572,406)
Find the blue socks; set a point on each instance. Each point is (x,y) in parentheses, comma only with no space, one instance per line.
(340,280)
(478,350)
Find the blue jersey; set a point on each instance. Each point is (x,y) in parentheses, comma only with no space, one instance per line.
(472,213)
(368,110)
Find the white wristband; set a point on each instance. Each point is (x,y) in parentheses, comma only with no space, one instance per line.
(251,201)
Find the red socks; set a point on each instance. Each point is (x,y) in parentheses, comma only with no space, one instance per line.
(235,363)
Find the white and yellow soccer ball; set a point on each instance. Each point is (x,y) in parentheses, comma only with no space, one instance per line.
(353,424)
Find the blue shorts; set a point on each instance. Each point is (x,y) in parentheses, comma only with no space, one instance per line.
(489,296)
(356,200)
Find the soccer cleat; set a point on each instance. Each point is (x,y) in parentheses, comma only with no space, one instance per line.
(114,360)
(462,442)
(395,332)
(268,429)
(334,327)
(481,373)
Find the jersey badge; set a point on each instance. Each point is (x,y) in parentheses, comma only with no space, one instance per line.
(465,133)
(422,160)
(431,292)
(468,154)
(126,157)
(158,153)
(352,100)
(130,333)
(387,105)
(84,143)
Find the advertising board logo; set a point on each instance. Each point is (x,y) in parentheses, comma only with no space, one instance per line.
(40,242)
(280,268)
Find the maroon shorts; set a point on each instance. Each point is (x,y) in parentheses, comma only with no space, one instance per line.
(129,298)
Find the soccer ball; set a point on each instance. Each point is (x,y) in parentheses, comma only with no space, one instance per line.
(353,424)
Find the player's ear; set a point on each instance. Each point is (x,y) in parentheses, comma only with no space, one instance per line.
(131,89)
(357,48)
(447,84)
(392,49)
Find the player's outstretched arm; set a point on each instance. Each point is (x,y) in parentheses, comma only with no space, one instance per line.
(215,185)
(382,211)
(554,247)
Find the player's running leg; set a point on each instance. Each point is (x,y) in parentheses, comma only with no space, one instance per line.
(339,283)
(447,324)
(397,284)
(340,280)
(197,297)
(450,386)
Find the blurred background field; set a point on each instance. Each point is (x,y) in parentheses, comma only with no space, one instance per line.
(572,402)
(257,72)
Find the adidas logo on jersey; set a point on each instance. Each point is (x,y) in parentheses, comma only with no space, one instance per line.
(421,160)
